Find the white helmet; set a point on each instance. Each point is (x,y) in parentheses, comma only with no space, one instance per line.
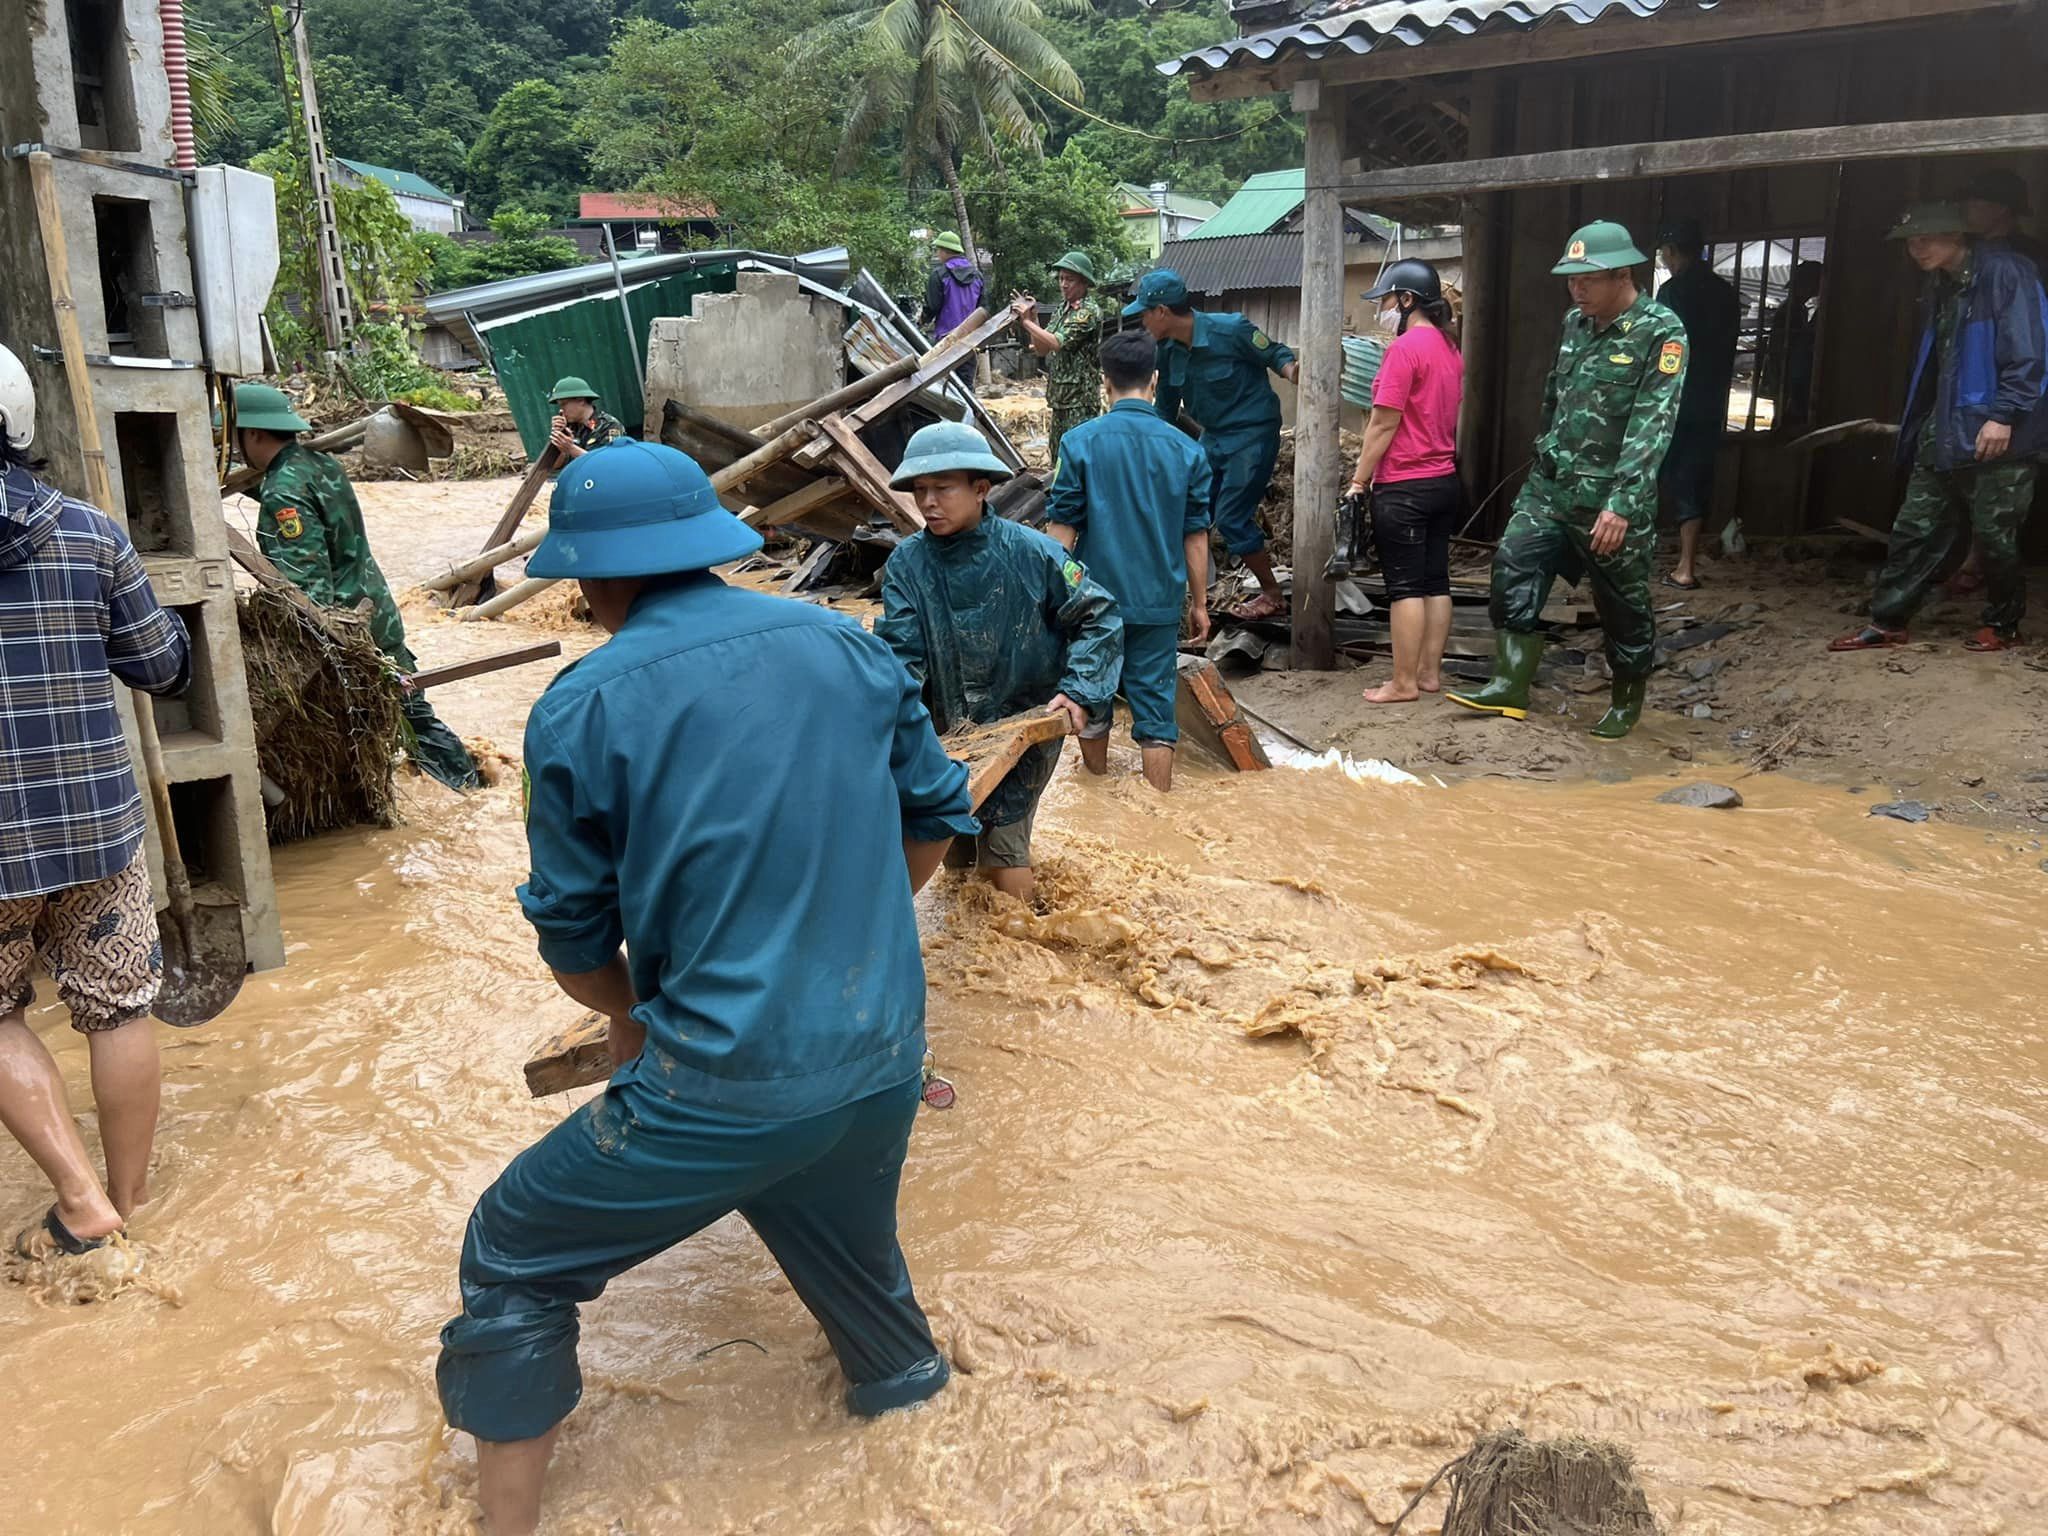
(17,401)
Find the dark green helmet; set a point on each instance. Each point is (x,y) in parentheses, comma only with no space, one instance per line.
(1603,246)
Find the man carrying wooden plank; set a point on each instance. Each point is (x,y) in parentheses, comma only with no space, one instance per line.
(745,792)
(994,618)
(1132,497)
(311,529)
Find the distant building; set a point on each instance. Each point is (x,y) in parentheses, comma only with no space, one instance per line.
(1156,214)
(426,207)
(646,224)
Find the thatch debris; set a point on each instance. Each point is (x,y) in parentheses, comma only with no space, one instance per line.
(1510,1485)
(328,716)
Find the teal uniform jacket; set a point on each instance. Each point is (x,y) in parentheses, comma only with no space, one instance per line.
(1220,377)
(1134,488)
(996,621)
(673,784)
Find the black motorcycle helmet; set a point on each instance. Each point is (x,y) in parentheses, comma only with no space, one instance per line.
(1408,276)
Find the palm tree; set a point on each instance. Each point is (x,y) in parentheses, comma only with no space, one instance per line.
(951,74)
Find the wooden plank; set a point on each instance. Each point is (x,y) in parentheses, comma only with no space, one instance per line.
(794,507)
(952,350)
(1209,717)
(1319,406)
(715,428)
(1521,47)
(865,474)
(571,1058)
(510,519)
(774,451)
(455,672)
(1691,157)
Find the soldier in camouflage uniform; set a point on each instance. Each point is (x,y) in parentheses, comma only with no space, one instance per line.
(312,530)
(1976,426)
(1590,505)
(1073,377)
(581,426)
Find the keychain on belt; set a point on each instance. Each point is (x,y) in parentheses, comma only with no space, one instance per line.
(936,1090)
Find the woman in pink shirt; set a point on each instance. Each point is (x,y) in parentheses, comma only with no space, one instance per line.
(1410,459)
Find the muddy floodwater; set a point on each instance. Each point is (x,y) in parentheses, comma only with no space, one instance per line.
(1312,1128)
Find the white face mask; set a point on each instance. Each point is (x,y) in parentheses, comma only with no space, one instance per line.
(1390,319)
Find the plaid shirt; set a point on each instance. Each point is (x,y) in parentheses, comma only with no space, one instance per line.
(76,612)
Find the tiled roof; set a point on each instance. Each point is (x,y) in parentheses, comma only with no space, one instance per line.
(625,205)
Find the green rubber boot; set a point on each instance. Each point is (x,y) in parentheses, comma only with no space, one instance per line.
(1515,656)
(1625,710)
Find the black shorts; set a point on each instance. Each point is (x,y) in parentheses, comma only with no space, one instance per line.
(1687,474)
(1412,523)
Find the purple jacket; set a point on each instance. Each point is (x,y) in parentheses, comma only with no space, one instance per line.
(952,294)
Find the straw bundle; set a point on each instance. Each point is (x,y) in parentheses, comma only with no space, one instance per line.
(1510,1485)
(327,712)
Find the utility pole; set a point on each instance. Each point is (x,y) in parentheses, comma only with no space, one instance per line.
(337,310)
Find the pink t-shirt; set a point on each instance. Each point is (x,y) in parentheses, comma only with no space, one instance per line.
(1423,377)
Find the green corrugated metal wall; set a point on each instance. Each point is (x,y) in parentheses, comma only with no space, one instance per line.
(585,338)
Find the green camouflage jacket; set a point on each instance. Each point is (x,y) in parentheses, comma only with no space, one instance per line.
(1073,374)
(1608,409)
(600,430)
(312,530)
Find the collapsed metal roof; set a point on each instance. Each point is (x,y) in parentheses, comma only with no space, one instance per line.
(1343,26)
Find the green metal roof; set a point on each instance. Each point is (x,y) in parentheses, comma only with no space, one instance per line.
(398,181)
(1257,206)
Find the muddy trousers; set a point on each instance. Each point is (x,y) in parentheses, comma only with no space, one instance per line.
(1940,511)
(1539,545)
(437,750)
(634,1173)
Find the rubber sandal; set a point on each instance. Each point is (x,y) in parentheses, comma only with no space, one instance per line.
(1869,638)
(1255,611)
(1684,586)
(67,1241)
(1989,639)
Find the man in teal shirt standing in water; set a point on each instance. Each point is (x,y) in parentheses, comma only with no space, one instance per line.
(1215,364)
(745,792)
(1131,499)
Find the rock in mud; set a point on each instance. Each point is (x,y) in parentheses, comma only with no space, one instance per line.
(1902,810)
(1704,797)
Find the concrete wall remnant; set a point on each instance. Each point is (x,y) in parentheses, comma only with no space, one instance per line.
(747,356)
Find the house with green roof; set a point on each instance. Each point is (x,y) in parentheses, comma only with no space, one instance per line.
(1156,214)
(426,207)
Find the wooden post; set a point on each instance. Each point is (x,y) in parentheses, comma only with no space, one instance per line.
(1318,408)
(1485,295)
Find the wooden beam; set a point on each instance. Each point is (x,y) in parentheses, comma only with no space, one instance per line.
(1318,404)
(455,672)
(865,474)
(571,1058)
(510,519)
(795,506)
(1693,157)
(1559,41)
(952,350)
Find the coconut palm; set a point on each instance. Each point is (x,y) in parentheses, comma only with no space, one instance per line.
(950,74)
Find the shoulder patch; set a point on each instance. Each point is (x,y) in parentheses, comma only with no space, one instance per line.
(1260,339)
(1671,357)
(289,524)
(525,793)
(1071,569)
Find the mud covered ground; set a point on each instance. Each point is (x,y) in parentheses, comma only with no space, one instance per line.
(1306,1129)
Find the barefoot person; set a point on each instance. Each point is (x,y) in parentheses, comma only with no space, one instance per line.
(1976,426)
(1589,507)
(1131,499)
(76,612)
(1215,365)
(745,792)
(1410,460)
(993,619)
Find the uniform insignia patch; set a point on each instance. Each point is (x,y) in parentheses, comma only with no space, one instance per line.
(1073,573)
(1259,339)
(289,524)
(1620,357)
(1576,251)
(525,793)
(1672,357)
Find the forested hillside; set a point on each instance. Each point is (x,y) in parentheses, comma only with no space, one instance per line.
(806,122)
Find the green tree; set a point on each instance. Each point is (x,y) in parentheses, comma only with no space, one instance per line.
(522,248)
(949,76)
(528,152)
(379,257)
(1033,212)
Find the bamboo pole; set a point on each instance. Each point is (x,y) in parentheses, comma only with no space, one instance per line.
(505,601)
(485,563)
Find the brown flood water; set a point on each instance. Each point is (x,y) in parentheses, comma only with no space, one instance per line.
(1721,1134)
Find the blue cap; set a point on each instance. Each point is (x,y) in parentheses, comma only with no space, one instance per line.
(943,446)
(1162,285)
(637,509)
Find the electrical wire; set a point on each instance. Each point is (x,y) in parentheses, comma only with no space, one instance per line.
(1096,117)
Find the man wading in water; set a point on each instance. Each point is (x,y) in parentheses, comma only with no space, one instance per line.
(746,792)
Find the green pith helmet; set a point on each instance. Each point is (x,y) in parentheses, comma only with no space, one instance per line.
(1603,246)
(943,446)
(267,409)
(948,241)
(572,388)
(1929,219)
(1077,262)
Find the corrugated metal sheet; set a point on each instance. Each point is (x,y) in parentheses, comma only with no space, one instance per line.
(586,338)
(1359,29)
(1235,262)
(1254,208)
